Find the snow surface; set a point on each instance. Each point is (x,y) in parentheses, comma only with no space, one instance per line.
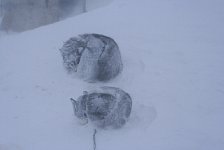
(173,69)
(93,4)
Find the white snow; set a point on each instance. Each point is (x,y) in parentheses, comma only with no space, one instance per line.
(173,68)
(93,4)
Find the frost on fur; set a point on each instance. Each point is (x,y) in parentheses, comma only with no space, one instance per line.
(92,57)
(105,107)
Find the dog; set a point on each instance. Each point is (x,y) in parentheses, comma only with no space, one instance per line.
(93,57)
(105,108)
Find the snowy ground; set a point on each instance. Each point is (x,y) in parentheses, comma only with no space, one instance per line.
(93,4)
(173,68)
(90,5)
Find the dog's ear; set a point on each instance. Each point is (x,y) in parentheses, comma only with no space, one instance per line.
(75,104)
(73,101)
(85,93)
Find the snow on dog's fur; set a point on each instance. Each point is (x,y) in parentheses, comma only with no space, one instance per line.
(106,107)
(93,57)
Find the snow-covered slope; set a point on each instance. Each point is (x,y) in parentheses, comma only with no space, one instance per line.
(173,69)
(93,4)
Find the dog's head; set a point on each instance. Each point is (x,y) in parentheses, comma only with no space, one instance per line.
(79,107)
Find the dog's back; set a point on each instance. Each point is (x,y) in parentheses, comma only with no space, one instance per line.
(109,107)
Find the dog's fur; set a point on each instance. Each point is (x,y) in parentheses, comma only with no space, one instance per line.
(106,107)
(93,57)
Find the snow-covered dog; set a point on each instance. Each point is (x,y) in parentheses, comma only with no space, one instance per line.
(106,107)
(93,57)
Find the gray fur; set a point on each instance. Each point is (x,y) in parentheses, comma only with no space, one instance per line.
(106,107)
(93,57)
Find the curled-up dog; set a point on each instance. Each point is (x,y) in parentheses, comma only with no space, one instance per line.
(105,108)
(92,57)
